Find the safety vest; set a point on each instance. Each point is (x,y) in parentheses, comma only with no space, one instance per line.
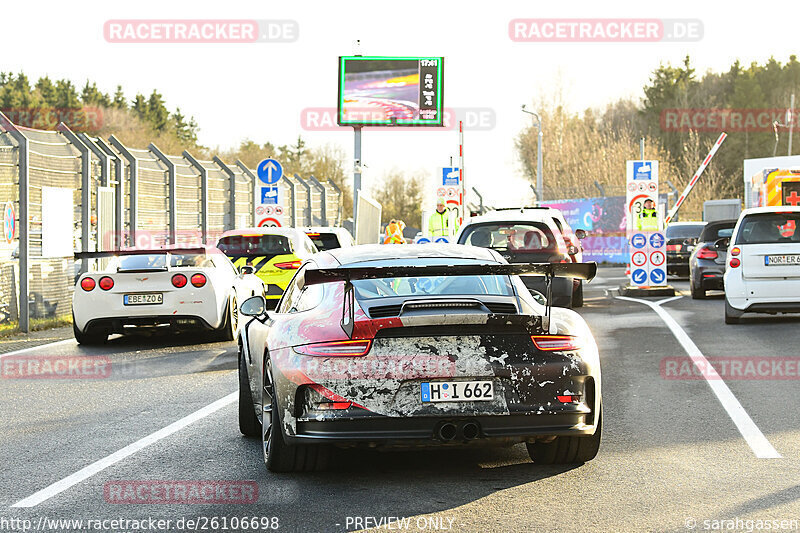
(648,220)
(394,235)
(439,224)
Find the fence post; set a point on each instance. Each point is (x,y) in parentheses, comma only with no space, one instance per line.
(24,223)
(247,172)
(323,197)
(309,221)
(232,190)
(134,178)
(340,202)
(203,193)
(173,192)
(105,164)
(119,195)
(86,189)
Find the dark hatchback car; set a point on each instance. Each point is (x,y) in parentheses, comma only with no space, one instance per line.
(707,263)
(681,240)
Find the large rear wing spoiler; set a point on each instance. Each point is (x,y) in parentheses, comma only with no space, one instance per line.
(161,251)
(313,276)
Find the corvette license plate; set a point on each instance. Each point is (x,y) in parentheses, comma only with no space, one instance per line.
(148,298)
(456,391)
(775,260)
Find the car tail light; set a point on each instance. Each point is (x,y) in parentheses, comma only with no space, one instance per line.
(334,405)
(706,253)
(673,247)
(556,343)
(289,265)
(569,398)
(336,349)
(179,280)
(735,251)
(735,262)
(106,283)
(198,280)
(87,284)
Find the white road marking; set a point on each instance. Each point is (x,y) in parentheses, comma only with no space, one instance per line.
(34,348)
(750,432)
(100,465)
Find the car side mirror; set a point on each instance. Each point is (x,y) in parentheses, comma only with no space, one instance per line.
(254,306)
(722,244)
(247,269)
(581,234)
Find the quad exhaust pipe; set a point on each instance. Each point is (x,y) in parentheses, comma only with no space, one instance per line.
(465,431)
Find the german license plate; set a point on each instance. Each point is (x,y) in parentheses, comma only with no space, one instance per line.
(778,260)
(457,391)
(147,298)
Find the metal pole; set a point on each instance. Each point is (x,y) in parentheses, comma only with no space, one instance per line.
(252,178)
(203,194)
(600,188)
(340,203)
(480,198)
(641,148)
(309,221)
(231,193)
(173,192)
(790,120)
(539,178)
(133,165)
(324,203)
(86,189)
(24,223)
(356,172)
(119,193)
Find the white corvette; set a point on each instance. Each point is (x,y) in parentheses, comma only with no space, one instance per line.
(176,288)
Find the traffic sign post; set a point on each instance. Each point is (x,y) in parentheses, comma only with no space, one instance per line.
(268,195)
(641,185)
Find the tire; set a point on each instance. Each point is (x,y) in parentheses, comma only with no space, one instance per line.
(577,295)
(88,339)
(228,330)
(732,316)
(279,456)
(567,450)
(249,424)
(697,293)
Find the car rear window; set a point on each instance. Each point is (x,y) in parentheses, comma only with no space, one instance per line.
(769,228)
(430,285)
(324,241)
(712,233)
(159,262)
(684,232)
(515,237)
(255,245)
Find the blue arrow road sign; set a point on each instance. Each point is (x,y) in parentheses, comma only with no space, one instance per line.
(658,276)
(657,240)
(269,171)
(639,276)
(442,239)
(639,240)
(423,240)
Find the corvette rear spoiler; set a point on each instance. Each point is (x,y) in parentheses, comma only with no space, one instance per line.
(97,255)
(313,276)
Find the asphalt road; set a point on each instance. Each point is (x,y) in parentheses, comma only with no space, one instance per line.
(672,455)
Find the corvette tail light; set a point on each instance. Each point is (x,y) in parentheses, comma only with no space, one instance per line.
(556,343)
(347,348)
(735,262)
(106,283)
(198,280)
(707,253)
(289,265)
(735,251)
(87,284)
(178,280)
(334,405)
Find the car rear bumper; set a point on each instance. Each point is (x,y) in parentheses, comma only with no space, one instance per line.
(387,431)
(709,277)
(127,324)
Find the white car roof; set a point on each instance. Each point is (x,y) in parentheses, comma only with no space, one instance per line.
(770,209)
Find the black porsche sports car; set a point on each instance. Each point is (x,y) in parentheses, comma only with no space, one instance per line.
(436,345)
